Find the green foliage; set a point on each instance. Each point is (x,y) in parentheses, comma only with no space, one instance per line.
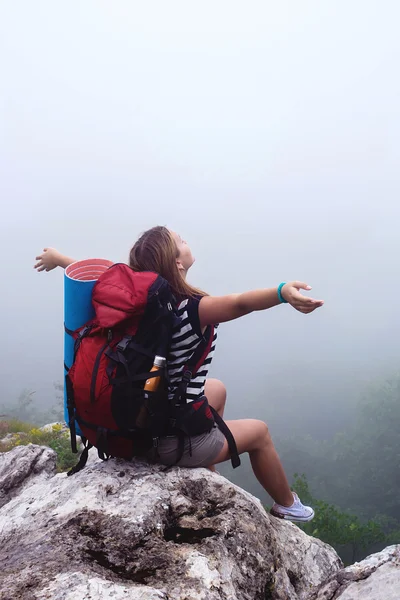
(23,433)
(344,531)
(355,473)
(62,446)
(14,426)
(370,452)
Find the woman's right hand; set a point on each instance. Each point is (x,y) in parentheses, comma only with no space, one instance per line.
(49,260)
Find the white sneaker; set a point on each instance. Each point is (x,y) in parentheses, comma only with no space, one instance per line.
(296,512)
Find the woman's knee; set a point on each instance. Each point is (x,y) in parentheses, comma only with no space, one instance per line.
(250,435)
(215,386)
(261,433)
(215,391)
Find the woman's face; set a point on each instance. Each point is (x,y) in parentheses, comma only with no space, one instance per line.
(185,258)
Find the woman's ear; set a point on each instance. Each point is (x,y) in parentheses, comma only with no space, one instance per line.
(179,264)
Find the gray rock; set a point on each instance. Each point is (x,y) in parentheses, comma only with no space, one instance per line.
(129,530)
(9,440)
(22,465)
(377,577)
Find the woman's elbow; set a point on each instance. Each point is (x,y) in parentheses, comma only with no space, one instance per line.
(241,308)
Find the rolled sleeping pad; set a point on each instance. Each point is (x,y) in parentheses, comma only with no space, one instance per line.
(79,280)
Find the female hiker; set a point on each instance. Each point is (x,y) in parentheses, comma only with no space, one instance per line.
(166,253)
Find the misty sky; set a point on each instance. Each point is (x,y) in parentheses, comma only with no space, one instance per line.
(265,133)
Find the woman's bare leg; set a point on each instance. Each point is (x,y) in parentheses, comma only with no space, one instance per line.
(253,436)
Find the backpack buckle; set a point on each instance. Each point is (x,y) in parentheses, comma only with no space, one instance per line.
(187,376)
(123,344)
(84,331)
(155,442)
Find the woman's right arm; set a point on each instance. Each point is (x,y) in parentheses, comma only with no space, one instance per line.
(213,309)
(52,258)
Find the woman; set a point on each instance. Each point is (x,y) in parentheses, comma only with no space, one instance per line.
(166,253)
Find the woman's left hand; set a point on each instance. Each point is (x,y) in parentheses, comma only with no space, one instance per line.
(304,304)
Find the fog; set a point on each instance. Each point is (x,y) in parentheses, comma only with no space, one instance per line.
(266,134)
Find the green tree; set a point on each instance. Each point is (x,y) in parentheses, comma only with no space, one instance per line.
(358,469)
(27,410)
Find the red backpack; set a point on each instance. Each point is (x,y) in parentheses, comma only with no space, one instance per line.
(135,313)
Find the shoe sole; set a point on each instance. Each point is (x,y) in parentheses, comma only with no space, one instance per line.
(295,519)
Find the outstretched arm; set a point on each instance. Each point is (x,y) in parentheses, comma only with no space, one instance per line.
(213,309)
(52,258)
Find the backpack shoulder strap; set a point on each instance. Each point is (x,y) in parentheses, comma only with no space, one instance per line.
(201,352)
(193,364)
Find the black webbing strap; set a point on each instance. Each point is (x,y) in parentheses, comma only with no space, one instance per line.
(83,333)
(128,343)
(125,433)
(71,413)
(192,366)
(202,350)
(223,427)
(140,349)
(82,460)
(68,331)
(133,378)
(180,396)
(102,443)
(69,388)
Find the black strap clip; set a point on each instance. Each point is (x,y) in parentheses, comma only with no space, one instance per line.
(124,343)
(84,331)
(187,376)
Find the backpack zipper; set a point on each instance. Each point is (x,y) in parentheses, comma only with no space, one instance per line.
(94,374)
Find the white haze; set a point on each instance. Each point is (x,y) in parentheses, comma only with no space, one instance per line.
(265,133)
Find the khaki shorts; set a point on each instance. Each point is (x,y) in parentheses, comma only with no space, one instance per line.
(205,449)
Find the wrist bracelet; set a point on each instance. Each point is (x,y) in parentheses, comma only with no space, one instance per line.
(281,298)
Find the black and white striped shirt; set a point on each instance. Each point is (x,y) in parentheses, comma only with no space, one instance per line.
(185,338)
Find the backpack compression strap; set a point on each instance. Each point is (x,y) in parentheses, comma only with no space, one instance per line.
(83,458)
(70,392)
(223,427)
(191,368)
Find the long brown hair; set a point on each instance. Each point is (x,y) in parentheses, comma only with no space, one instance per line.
(157,251)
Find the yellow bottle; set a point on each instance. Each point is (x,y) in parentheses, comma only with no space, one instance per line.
(152,384)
